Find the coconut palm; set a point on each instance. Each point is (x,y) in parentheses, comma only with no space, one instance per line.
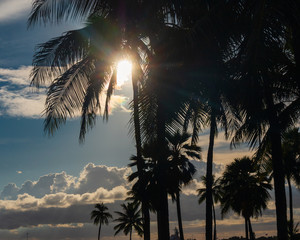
(129,219)
(181,170)
(100,216)
(291,152)
(209,106)
(216,193)
(244,190)
(82,62)
(267,87)
(291,162)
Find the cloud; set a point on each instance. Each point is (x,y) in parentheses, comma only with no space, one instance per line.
(93,176)
(223,154)
(18,76)
(17,99)
(21,102)
(60,204)
(13,9)
(96,179)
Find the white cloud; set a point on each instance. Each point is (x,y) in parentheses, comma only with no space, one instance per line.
(18,76)
(14,9)
(94,181)
(61,203)
(21,102)
(93,176)
(17,99)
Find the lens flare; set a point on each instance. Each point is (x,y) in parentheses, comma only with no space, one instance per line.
(124,69)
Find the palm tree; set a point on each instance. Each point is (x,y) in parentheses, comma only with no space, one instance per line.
(181,170)
(100,216)
(216,192)
(244,190)
(129,219)
(209,105)
(291,162)
(267,88)
(82,62)
(291,152)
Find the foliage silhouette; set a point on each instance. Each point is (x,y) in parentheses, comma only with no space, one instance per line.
(244,190)
(100,216)
(129,219)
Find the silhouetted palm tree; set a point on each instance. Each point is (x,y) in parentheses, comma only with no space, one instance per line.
(216,193)
(82,62)
(181,170)
(209,101)
(129,219)
(267,89)
(244,190)
(100,216)
(291,161)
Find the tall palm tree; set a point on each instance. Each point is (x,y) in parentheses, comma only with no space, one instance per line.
(269,89)
(209,101)
(129,219)
(244,190)
(291,160)
(216,192)
(82,62)
(181,169)
(100,216)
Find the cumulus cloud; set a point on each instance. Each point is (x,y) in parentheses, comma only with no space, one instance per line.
(102,181)
(61,204)
(13,9)
(48,184)
(93,176)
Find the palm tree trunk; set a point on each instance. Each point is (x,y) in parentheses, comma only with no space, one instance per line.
(291,227)
(278,170)
(250,230)
(130,234)
(215,222)
(162,211)
(209,178)
(179,216)
(146,218)
(99,231)
(280,198)
(246,228)
(140,163)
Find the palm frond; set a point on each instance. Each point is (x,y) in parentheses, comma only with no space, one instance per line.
(66,94)
(55,11)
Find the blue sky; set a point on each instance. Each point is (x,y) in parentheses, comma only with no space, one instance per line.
(48,185)
(24,146)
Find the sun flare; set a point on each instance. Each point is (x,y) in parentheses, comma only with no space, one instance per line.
(124,69)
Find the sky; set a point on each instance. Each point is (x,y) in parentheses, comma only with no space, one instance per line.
(49,185)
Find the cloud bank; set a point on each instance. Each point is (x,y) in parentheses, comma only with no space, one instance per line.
(60,204)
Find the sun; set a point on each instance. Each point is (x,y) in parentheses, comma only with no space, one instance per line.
(124,69)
